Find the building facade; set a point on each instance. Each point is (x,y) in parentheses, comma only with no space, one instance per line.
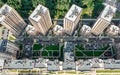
(71,19)
(40,19)
(103,20)
(10,19)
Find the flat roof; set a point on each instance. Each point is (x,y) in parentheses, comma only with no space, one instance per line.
(19,64)
(1,63)
(3,44)
(35,14)
(4,10)
(53,65)
(41,63)
(108,13)
(73,12)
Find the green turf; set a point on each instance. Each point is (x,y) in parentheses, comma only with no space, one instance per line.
(88,53)
(96,53)
(107,71)
(37,47)
(55,53)
(78,53)
(35,53)
(44,53)
(52,47)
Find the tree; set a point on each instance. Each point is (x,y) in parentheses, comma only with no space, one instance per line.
(37,2)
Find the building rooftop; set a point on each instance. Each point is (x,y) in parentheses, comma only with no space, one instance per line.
(1,63)
(19,64)
(85,29)
(86,65)
(58,29)
(73,12)
(30,28)
(4,10)
(40,9)
(41,63)
(53,65)
(113,30)
(69,65)
(69,62)
(112,64)
(108,13)
(3,44)
(4,32)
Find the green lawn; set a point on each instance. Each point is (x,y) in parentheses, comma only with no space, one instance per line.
(55,53)
(60,72)
(96,53)
(71,72)
(44,53)
(88,53)
(78,53)
(52,47)
(24,71)
(107,71)
(37,47)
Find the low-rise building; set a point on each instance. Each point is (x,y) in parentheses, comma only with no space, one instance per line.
(31,30)
(113,30)
(85,30)
(41,63)
(19,64)
(111,64)
(53,65)
(58,30)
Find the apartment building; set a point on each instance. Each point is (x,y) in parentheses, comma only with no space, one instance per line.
(10,19)
(41,20)
(103,20)
(71,19)
(8,49)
